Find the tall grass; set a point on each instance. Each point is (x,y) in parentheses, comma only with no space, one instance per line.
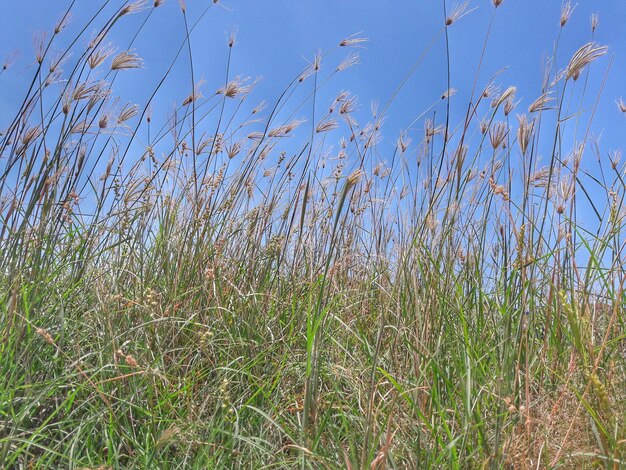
(206,293)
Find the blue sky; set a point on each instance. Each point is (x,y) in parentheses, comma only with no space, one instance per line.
(275,38)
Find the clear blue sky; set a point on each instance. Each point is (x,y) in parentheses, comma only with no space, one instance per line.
(276,37)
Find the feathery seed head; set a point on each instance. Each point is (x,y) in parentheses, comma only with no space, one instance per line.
(126,60)
(354,178)
(128,112)
(498,133)
(353,41)
(9,60)
(594,22)
(582,57)
(448,93)
(508,93)
(286,129)
(60,26)
(458,11)
(509,105)
(236,87)
(541,103)
(621,105)
(195,94)
(566,12)
(100,55)
(350,60)
(403,142)
(326,125)
(524,132)
(490,90)
(233,150)
(132,7)
(260,107)
(39,41)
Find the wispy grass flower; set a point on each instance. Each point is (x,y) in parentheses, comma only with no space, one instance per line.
(594,22)
(236,87)
(566,12)
(100,55)
(353,41)
(509,93)
(497,134)
(582,57)
(542,103)
(349,61)
(524,132)
(458,11)
(326,124)
(126,60)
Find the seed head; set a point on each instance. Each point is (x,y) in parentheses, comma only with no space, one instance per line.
(524,132)
(39,41)
(403,142)
(353,41)
(621,105)
(100,55)
(566,12)
(582,57)
(354,178)
(236,87)
(541,103)
(60,26)
(458,11)
(126,60)
(497,134)
(45,334)
(285,129)
(448,93)
(349,61)
(594,22)
(9,60)
(509,93)
(133,7)
(127,112)
(326,125)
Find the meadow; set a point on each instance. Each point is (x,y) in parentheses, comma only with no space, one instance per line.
(241,284)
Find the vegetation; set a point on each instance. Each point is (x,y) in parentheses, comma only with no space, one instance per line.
(210,294)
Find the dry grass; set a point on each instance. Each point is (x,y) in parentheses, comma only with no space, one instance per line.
(237,285)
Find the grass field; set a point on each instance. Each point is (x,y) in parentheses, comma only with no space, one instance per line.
(207,293)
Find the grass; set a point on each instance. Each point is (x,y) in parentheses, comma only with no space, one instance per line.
(205,293)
